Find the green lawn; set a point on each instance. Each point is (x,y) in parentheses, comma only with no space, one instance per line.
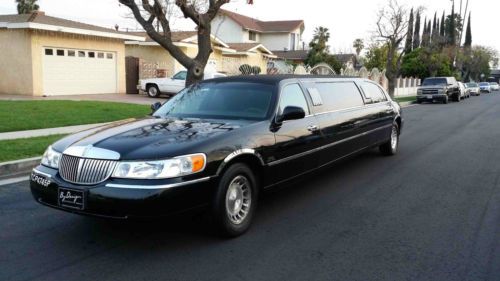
(406,99)
(30,115)
(25,148)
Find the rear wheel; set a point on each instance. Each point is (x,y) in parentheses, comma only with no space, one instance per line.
(235,200)
(391,147)
(153,91)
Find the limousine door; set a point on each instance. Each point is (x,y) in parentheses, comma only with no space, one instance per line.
(296,140)
(339,109)
(380,113)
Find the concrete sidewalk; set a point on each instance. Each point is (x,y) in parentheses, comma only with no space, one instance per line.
(135,99)
(47,132)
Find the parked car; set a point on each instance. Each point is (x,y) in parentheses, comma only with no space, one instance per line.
(218,143)
(494,86)
(464,92)
(485,87)
(438,89)
(154,87)
(473,88)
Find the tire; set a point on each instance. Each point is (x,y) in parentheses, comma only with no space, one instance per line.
(457,99)
(391,147)
(238,186)
(153,91)
(445,101)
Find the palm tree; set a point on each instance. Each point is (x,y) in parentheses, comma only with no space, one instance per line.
(321,37)
(358,45)
(26,6)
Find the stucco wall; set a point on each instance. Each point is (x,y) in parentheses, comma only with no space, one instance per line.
(16,75)
(159,56)
(40,39)
(228,31)
(275,41)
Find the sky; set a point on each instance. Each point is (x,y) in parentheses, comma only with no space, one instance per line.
(346,19)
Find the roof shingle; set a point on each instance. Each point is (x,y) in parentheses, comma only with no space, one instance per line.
(263,26)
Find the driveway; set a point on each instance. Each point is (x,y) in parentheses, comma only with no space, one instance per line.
(432,212)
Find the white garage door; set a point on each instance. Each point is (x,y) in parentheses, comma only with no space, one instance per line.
(77,72)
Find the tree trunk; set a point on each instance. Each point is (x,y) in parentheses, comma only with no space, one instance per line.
(392,86)
(195,74)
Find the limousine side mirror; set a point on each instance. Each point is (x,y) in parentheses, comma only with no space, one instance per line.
(155,106)
(291,113)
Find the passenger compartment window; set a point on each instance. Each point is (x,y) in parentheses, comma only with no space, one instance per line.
(315,96)
(339,95)
(373,92)
(292,95)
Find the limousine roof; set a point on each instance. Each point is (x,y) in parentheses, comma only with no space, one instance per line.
(275,79)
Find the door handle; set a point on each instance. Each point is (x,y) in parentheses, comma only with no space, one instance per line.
(312,128)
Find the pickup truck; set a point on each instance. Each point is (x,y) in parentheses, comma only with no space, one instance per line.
(154,87)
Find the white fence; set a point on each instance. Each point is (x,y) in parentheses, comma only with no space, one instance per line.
(406,87)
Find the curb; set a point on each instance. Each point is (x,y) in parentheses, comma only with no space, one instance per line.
(12,168)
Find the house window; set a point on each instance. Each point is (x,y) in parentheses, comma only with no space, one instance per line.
(252,36)
(49,52)
(109,56)
(71,53)
(100,55)
(91,54)
(81,54)
(60,53)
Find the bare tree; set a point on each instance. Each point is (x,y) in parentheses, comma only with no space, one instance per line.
(392,24)
(200,12)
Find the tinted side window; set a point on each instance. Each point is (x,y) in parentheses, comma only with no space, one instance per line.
(374,92)
(339,95)
(292,95)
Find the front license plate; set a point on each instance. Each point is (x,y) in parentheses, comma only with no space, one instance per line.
(70,198)
(429,97)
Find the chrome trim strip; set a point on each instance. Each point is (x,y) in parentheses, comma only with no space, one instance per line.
(41,173)
(90,151)
(325,146)
(149,187)
(239,152)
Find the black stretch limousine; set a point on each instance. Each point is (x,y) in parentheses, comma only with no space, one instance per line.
(217,144)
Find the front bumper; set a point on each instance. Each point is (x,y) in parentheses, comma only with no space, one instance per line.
(124,198)
(431,98)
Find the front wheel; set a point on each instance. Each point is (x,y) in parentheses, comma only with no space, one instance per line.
(391,147)
(235,200)
(153,91)
(445,100)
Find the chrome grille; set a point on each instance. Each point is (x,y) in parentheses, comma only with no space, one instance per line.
(430,91)
(84,170)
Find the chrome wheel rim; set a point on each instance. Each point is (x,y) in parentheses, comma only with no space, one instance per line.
(153,91)
(238,199)
(394,138)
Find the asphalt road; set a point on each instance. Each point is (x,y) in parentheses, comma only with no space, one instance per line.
(430,213)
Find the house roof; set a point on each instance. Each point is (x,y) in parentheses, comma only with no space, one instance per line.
(190,37)
(38,20)
(344,58)
(292,55)
(249,47)
(263,26)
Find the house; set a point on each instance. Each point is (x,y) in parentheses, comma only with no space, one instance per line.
(253,54)
(154,56)
(232,27)
(44,55)
(495,75)
(348,60)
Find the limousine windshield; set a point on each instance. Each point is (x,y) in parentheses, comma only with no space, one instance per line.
(237,100)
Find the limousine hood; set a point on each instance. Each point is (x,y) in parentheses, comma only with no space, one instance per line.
(150,138)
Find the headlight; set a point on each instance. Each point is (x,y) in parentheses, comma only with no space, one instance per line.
(51,158)
(162,169)
(419,91)
(440,91)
